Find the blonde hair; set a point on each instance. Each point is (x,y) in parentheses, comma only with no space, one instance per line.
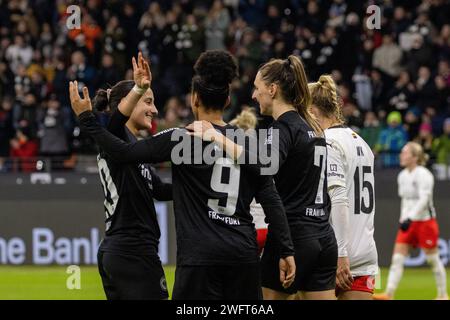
(417,151)
(291,78)
(324,96)
(246,120)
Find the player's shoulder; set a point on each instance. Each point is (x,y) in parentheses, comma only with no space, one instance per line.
(293,126)
(424,172)
(171,134)
(342,135)
(402,174)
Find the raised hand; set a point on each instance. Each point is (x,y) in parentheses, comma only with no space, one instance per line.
(79,105)
(141,72)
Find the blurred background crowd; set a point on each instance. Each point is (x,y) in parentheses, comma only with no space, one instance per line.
(394,82)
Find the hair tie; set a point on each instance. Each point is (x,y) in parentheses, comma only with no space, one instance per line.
(203,86)
(108,93)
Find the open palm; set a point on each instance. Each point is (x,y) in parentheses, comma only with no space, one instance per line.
(79,105)
(141,72)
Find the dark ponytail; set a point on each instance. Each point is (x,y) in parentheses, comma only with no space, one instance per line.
(120,90)
(291,78)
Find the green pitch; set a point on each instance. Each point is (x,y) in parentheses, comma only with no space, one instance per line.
(31,282)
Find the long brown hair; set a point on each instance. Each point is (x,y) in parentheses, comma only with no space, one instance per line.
(324,96)
(291,78)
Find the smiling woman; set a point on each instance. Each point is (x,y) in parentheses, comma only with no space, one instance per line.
(128,259)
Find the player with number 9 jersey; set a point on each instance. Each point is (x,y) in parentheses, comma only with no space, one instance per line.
(351,188)
(217,252)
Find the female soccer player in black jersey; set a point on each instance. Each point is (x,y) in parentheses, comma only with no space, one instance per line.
(281,89)
(128,259)
(217,252)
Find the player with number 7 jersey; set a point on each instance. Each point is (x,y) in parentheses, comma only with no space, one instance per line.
(351,188)
(281,90)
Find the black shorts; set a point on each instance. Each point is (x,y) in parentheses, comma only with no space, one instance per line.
(218,282)
(132,277)
(316,263)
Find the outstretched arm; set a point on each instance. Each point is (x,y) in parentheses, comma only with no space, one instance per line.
(142,78)
(276,151)
(150,150)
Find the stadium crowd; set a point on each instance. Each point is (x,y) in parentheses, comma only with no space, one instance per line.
(394,82)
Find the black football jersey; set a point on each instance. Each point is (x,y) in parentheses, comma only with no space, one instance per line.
(131,221)
(301,178)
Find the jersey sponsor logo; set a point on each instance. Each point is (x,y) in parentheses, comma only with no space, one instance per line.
(228,220)
(311,134)
(333,167)
(146,173)
(313,212)
(334,174)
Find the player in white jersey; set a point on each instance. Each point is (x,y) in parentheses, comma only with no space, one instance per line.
(351,188)
(247,120)
(418,225)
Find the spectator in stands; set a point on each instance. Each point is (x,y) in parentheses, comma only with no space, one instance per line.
(23,150)
(19,53)
(54,126)
(6,80)
(441,145)
(421,54)
(371,130)
(25,114)
(412,122)
(108,73)
(6,129)
(441,99)
(391,140)
(426,90)
(79,70)
(38,55)
(402,94)
(425,139)
(216,25)
(388,57)
(114,43)
(173,112)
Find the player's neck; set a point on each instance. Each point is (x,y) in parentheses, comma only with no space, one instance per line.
(412,167)
(134,131)
(326,123)
(213,116)
(279,108)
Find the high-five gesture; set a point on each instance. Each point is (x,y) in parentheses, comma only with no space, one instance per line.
(79,105)
(141,72)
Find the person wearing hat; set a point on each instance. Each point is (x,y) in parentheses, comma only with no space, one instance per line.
(391,140)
